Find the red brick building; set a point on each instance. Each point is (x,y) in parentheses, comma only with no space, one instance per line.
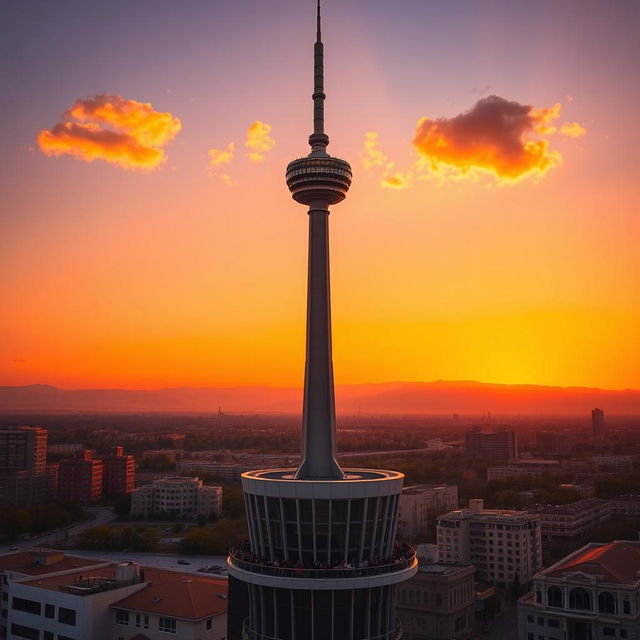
(80,479)
(118,472)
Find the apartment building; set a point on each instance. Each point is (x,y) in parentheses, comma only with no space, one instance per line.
(34,563)
(182,497)
(420,500)
(80,478)
(499,445)
(524,469)
(437,603)
(118,472)
(592,594)
(627,505)
(23,465)
(109,601)
(569,521)
(503,546)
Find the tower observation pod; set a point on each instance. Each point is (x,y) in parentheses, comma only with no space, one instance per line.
(322,561)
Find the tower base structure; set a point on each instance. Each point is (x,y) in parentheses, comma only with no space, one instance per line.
(322,560)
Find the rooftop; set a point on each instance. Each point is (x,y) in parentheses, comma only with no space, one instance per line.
(37,562)
(616,562)
(438,569)
(486,514)
(170,593)
(572,508)
(420,488)
(179,595)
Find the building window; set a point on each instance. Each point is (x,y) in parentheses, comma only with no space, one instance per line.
(623,633)
(146,622)
(67,616)
(554,597)
(529,618)
(48,635)
(209,623)
(579,598)
(25,632)
(626,606)
(606,602)
(168,625)
(555,624)
(28,606)
(122,617)
(49,611)
(608,631)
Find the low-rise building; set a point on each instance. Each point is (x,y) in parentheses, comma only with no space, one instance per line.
(613,464)
(569,521)
(524,469)
(592,594)
(437,603)
(504,546)
(420,500)
(107,601)
(182,498)
(627,505)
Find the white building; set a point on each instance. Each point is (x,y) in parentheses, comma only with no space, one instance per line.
(182,497)
(567,521)
(421,500)
(524,469)
(109,601)
(592,594)
(502,545)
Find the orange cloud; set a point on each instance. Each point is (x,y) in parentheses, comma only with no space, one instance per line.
(397,180)
(373,155)
(258,141)
(497,136)
(219,158)
(126,133)
(573,130)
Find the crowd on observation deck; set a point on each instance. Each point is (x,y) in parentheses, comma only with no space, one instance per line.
(401,553)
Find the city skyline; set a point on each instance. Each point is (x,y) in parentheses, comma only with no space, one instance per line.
(174,277)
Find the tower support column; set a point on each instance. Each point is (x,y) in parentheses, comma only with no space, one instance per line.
(318,421)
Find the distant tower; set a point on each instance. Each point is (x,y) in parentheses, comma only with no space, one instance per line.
(597,424)
(322,560)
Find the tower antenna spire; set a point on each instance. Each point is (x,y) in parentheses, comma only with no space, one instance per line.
(318,139)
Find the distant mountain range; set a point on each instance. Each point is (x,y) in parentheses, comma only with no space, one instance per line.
(440,397)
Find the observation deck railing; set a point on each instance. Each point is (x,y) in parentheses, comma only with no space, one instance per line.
(250,634)
(339,571)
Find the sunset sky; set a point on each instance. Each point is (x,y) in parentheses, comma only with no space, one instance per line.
(492,231)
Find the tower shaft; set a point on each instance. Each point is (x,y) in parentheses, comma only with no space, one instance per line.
(318,421)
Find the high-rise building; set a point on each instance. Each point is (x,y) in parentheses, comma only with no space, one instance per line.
(504,546)
(597,424)
(491,445)
(23,462)
(549,442)
(322,559)
(80,478)
(118,472)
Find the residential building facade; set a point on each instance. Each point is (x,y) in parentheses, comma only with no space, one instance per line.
(503,546)
(108,601)
(569,521)
(184,498)
(499,445)
(438,602)
(80,478)
(419,501)
(118,472)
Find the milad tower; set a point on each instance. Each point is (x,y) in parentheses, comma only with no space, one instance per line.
(322,560)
